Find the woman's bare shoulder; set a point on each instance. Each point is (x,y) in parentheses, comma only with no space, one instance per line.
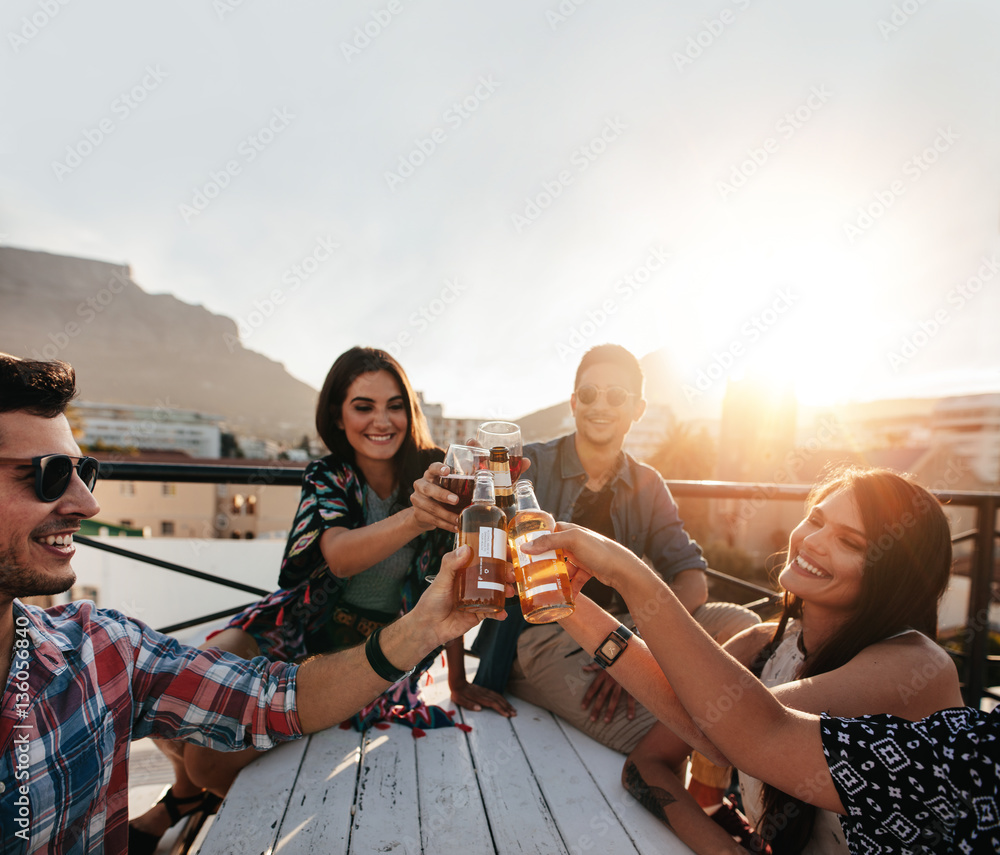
(746,645)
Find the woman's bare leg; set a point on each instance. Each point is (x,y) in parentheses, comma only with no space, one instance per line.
(197,768)
(651,775)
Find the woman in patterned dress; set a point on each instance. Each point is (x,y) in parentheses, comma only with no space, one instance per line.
(864,574)
(356,558)
(900,783)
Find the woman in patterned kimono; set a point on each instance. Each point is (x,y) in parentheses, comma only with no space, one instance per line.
(900,783)
(864,574)
(356,558)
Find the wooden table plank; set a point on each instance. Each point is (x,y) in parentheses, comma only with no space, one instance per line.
(579,807)
(319,818)
(649,835)
(250,817)
(518,815)
(452,816)
(386,817)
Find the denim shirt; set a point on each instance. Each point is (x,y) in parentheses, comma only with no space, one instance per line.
(644,516)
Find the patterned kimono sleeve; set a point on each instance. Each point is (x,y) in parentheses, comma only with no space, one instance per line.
(915,787)
(331,496)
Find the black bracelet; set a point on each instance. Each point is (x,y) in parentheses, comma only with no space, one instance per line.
(380,665)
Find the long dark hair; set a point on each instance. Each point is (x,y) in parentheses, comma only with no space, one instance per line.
(417,449)
(906,570)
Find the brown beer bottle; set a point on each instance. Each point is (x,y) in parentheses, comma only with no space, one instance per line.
(482,525)
(542,581)
(500,467)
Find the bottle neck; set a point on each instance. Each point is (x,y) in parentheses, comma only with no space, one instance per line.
(483,492)
(524,497)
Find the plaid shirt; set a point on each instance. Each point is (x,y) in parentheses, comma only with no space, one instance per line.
(83,683)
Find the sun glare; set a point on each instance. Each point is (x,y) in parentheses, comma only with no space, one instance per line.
(803,315)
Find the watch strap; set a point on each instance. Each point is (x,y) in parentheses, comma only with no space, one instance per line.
(620,636)
(380,665)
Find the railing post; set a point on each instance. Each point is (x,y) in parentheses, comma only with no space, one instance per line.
(981,578)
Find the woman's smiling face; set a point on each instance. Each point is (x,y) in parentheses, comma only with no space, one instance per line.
(826,554)
(374,417)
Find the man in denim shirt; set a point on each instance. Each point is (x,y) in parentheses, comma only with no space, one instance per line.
(587,478)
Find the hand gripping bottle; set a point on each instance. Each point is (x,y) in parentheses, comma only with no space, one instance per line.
(542,581)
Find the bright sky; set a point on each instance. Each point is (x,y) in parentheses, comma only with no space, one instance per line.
(804,192)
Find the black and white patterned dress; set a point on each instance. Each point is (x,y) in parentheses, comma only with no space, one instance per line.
(918,787)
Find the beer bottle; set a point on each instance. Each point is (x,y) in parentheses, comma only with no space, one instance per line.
(482,525)
(542,581)
(500,467)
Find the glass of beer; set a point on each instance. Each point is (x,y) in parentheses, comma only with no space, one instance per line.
(507,434)
(463,461)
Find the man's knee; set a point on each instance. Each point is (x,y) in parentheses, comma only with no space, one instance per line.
(724,620)
(214,770)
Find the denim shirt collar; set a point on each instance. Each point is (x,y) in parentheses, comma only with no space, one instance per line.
(571,468)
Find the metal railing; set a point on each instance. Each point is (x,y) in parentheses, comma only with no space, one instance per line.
(973,662)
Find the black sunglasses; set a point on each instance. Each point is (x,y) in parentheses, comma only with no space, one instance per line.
(53,472)
(614,395)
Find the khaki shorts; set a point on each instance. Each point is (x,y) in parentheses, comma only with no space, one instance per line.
(548,672)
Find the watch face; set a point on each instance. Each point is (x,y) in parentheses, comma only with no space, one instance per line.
(610,649)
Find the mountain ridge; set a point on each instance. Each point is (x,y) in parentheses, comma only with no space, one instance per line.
(92,314)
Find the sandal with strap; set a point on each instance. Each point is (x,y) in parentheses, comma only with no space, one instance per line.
(145,842)
(734,823)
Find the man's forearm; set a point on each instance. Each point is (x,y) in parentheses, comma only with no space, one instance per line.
(691,588)
(333,687)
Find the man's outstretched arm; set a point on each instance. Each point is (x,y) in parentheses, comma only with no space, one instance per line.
(333,687)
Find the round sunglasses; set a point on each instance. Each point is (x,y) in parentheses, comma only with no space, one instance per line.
(53,473)
(614,395)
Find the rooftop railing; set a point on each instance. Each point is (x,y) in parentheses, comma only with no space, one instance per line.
(972,662)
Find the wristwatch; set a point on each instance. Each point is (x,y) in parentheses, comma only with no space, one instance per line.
(613,646)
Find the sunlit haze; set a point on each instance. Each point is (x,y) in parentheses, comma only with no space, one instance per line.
(802,193)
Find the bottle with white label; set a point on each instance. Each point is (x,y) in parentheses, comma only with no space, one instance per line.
(542,581)
(482,525)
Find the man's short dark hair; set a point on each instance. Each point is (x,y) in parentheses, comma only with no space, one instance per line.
(616,355)
(40,388)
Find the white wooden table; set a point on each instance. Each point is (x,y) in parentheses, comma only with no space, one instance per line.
(529,784)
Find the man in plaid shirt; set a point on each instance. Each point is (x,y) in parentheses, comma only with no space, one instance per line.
(79,683)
